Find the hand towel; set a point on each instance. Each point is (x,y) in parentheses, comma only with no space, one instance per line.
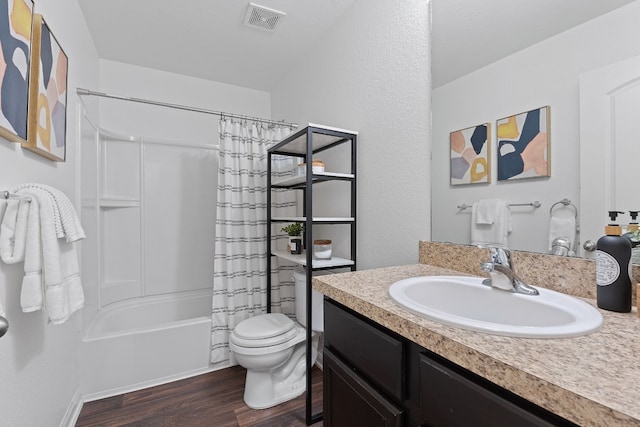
(496,233)
(60,273)
(13,231)
(562,227)
(3,207)
(486,211)
(66,221)
(31,293)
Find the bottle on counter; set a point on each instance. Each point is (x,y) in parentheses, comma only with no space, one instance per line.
(613,268)
(633,234)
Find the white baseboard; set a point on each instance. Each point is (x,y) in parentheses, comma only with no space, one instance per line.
(146,384)
(73,411)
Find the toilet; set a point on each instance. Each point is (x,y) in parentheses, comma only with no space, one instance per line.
(272,349)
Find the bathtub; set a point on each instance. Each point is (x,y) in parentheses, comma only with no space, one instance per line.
(145,342)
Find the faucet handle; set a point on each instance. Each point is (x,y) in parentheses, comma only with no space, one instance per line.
(487,266)
(499,254)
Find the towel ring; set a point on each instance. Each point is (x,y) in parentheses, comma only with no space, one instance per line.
(567,204)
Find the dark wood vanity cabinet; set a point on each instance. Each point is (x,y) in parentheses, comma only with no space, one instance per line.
(375,377)
(363,373)
(349,400)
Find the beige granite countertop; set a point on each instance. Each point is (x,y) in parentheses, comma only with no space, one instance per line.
(592,380)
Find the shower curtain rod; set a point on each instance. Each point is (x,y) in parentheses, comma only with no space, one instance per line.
(81,91)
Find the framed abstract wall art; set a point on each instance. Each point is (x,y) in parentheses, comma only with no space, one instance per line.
(471,155)
(46,133)
(524,145)
(15,56)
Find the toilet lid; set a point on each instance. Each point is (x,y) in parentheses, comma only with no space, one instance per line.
(264,330)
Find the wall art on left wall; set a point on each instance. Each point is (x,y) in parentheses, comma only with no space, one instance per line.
(15,56)
(47,94)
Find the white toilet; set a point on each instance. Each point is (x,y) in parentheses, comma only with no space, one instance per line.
(272,349)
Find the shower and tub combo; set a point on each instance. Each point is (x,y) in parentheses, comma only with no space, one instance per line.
(147,262)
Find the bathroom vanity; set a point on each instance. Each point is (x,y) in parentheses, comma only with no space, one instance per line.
(398,368)
(375,377)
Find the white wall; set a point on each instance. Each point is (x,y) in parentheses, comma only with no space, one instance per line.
(39,361)
(147,120)
(371,73)
(545,74)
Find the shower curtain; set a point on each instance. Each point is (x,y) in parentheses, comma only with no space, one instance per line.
(239,283)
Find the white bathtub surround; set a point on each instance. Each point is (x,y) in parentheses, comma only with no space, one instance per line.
(148,311)
(146,341)
(41,233)
(239,283)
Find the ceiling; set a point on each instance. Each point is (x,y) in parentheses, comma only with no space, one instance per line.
(470,34)
(207,38)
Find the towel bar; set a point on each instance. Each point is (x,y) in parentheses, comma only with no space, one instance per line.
(9,195)
(4,325)
(536,204)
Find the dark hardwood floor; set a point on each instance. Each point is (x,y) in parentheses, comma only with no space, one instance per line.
(213,399)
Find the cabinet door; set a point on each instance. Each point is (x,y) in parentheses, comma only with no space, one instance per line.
(449,399)
(375,354)
(350,401)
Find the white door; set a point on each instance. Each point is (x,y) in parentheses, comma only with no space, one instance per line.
(609,146)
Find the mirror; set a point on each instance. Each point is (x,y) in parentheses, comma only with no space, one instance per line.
(548,73)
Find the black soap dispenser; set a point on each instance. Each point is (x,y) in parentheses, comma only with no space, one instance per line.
(613,268)
(633,234)
(633,227)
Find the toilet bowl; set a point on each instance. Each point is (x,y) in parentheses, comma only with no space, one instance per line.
(272,348)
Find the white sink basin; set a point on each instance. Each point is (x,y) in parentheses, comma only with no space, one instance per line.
(467,303)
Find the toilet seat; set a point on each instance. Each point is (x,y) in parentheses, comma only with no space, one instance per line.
(265,330)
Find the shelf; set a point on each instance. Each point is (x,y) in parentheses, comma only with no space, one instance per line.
(305,143)
(316,220)
(113,202)
(301,259)
(323,138)
(300,181)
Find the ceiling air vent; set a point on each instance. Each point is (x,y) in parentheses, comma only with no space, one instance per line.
(263,18)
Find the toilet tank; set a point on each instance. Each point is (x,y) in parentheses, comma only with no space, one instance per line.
(317,313)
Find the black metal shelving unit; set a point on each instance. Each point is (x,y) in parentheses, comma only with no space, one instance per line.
(304,144)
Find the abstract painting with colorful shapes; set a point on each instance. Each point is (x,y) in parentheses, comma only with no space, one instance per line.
(471,155)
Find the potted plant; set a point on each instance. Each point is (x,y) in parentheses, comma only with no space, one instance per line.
(294,231)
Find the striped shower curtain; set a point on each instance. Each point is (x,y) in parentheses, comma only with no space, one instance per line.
(239,283)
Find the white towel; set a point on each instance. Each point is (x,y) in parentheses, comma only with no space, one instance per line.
(562,227)
(66,221)
(3,207)
(486,211)
(31,294)
(13,231)
(50,261)
(495,233)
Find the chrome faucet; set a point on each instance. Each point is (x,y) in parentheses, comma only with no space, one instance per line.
(502,272)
